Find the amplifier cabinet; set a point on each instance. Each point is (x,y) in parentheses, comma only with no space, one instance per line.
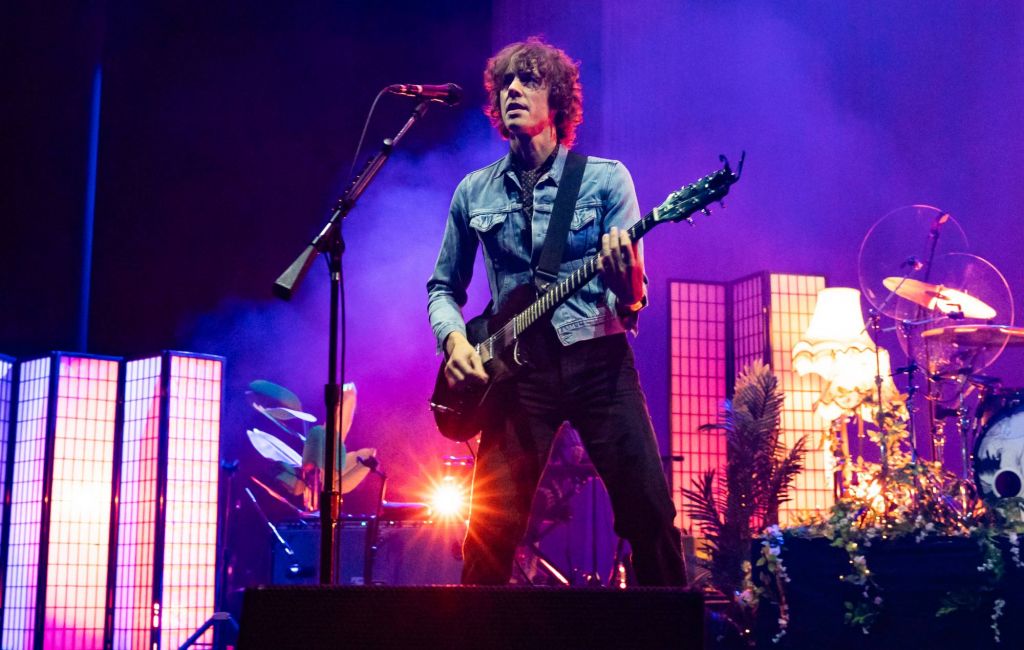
(407,553)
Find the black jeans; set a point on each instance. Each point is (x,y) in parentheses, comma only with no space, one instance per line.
(594,385)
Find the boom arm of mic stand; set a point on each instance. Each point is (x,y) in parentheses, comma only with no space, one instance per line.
(288,282)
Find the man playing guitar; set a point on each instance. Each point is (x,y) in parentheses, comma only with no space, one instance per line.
(579,363)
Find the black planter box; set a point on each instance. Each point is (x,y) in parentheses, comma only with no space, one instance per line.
(914,579)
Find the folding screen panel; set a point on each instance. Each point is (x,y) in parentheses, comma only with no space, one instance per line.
(167,527)
(698,384)
(59,525)
(8,380)
(792,303)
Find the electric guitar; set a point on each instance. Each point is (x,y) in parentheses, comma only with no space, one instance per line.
(459,413)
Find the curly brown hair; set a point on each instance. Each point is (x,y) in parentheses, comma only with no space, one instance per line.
(560,73)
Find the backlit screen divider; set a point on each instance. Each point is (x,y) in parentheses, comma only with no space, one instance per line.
(716,330)
(792,300)
(8,381)
(166,557)
(698,383)
(59,526)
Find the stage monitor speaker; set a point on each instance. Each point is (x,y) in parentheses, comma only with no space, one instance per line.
(457,617)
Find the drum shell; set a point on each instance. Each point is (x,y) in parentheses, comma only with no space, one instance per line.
(998,460)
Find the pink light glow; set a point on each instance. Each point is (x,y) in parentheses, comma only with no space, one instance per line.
(78,496)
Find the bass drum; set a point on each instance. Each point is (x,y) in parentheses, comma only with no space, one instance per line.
(999,451)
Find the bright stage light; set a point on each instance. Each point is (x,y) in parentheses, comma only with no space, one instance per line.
(449,499)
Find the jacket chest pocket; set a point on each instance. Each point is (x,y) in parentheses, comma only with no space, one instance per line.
(494,229)
(584,234)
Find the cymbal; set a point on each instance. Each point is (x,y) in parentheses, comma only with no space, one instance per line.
(282,413)
(276,392)
(278,421)
(939,298)
(273,448)
(976,336)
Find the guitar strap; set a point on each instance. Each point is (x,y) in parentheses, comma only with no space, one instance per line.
(561,216)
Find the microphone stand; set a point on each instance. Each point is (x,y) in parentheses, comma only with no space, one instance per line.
(330,242)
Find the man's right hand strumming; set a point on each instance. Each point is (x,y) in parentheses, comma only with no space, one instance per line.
(464,367)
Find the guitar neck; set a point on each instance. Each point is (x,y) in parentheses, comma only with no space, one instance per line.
(677,207)
(558,293)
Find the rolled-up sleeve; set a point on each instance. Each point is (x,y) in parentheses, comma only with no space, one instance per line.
(446,289)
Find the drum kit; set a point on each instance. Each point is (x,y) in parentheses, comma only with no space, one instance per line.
(954,317)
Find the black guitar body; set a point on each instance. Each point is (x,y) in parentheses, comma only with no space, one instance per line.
(459,413)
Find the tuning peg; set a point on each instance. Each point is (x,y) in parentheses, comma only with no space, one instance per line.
(689,220)
(707,211)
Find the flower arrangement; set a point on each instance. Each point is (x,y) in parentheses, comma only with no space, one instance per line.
(901,498)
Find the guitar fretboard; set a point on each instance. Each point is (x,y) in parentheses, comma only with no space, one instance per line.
(558,293)
(680,205)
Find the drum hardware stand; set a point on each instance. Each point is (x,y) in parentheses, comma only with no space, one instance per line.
(910,370)
(594,578)
(542,531)
(543,559)
(273,529)
(875,320)
(547,564)
(220,614)
(966,435)
(331,243)
(619,577)
(373,530)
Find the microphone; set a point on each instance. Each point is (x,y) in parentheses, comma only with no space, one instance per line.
(450,94)
(939,220)
(913,263)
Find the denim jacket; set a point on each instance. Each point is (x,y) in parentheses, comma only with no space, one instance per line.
(487,208)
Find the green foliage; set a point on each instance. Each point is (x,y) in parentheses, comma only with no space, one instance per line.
(758,472)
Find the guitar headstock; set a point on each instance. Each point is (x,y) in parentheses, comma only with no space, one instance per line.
(682,203)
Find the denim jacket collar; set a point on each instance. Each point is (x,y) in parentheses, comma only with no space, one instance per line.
(504,168)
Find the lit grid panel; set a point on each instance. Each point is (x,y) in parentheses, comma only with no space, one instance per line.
(749,321)
(8,370)
(193,456)
(137,510)
(698,384)
(82,486)
(167,558)
(26,504)
(61,494)
(792,303)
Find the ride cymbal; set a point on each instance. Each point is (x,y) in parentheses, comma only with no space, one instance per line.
(937,297)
